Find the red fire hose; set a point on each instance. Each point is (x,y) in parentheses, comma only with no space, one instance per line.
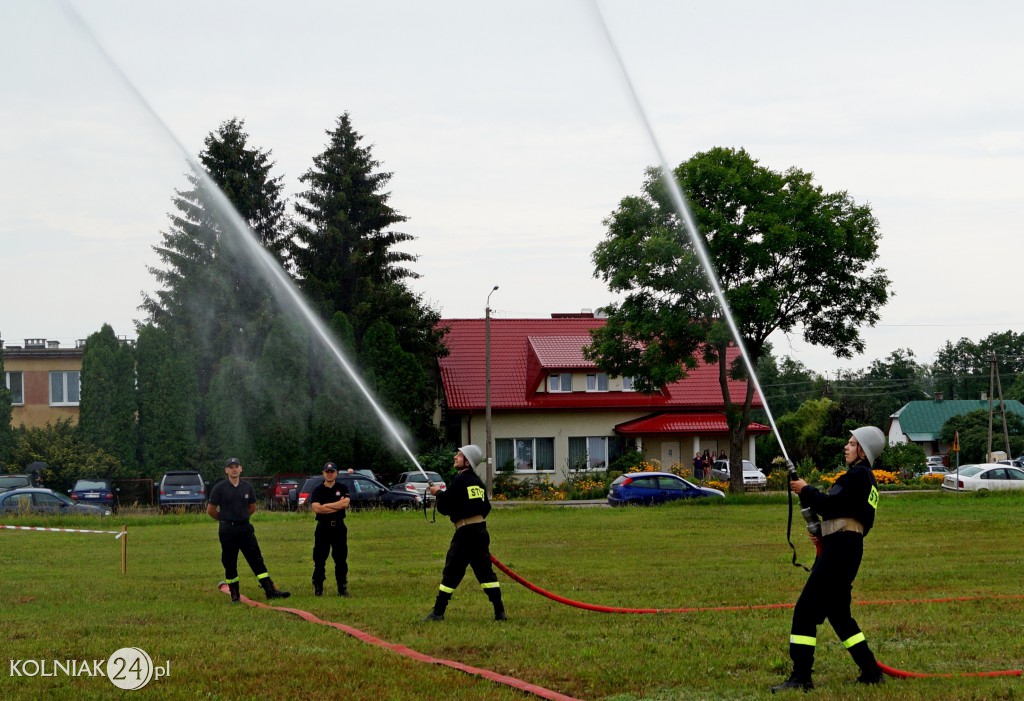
(413,654)
(891,671)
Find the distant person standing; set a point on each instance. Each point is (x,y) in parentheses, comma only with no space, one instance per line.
(698,467)
(329,502)
(465,503)
(232,502)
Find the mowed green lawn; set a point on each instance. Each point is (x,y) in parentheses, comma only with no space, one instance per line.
(64,598)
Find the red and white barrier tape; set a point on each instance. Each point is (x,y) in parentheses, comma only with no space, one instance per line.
(116,534)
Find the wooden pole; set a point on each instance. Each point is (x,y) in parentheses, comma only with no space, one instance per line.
(124,549)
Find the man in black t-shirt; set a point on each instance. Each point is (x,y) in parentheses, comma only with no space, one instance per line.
(329,502)
(232,502)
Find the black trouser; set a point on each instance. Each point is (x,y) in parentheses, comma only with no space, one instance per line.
(238,536)
(827,595)
(470,547)
(333,540)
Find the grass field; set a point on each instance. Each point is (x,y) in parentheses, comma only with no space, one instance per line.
(65,598)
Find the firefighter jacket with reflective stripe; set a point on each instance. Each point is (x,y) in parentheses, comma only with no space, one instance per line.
(854,495)
(466,496)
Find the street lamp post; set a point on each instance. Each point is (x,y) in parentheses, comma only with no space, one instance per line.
(487,391)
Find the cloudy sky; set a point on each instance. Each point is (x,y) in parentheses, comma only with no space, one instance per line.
(511,136)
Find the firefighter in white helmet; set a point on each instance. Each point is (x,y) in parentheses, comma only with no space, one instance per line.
(465,503)
(847,511)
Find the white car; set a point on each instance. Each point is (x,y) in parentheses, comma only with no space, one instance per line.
(982,478)
(752,477)
(415,483)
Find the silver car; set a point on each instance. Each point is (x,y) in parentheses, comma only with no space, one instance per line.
(35,500)
(752,477)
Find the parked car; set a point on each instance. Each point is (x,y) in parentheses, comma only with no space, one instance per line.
(9,482)
(937,460)
(363,492)
(649,488)
(276,494)
(982,478)
(183,489)
(100,492)
(752,477)
(415,482)
(931,469)
(36,500)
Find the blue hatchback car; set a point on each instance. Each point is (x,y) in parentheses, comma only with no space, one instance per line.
(646,488)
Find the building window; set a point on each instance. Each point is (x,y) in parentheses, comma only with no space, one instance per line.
(560,382)
(597,382)
(627,383)
(65,389)
(525,454)
(15,382)
(594,452)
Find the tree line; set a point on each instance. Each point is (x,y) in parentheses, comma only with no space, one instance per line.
(223,366)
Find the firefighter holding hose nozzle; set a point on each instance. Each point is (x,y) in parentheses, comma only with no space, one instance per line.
(847,514)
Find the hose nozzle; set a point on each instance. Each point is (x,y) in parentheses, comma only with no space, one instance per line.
(813,524)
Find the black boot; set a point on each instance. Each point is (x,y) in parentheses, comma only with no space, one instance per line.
(343,589)
(440,604)
(794,682)
(803,665)
(318,588)
(271,591)
(494,594)
(233,588)
(871,677)
(870,672)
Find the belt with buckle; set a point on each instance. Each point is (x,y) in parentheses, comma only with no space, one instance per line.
(468,520)
(236,523)
(838,525)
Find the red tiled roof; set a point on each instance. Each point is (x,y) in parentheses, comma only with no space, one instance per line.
(523,351)
(674,422)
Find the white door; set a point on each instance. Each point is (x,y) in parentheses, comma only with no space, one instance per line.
(669,454)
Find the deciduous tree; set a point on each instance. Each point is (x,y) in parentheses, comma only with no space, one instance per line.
(789,256)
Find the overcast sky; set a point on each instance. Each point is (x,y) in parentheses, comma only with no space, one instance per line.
(511,137)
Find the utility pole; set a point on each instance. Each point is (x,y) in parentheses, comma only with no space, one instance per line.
(487,393)
(996,385)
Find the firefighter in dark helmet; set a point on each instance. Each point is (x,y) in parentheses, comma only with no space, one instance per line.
(465,503)
(847,511)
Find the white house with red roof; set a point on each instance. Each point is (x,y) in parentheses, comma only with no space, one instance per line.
(553,410)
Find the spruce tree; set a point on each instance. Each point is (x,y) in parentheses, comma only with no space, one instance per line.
(347,260)
(213,300)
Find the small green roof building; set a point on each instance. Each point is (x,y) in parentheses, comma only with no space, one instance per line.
(921,421)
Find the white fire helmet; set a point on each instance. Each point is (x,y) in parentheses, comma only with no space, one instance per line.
(871,441)
(473,454)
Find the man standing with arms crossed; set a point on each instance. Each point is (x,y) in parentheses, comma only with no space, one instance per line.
(329,502)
